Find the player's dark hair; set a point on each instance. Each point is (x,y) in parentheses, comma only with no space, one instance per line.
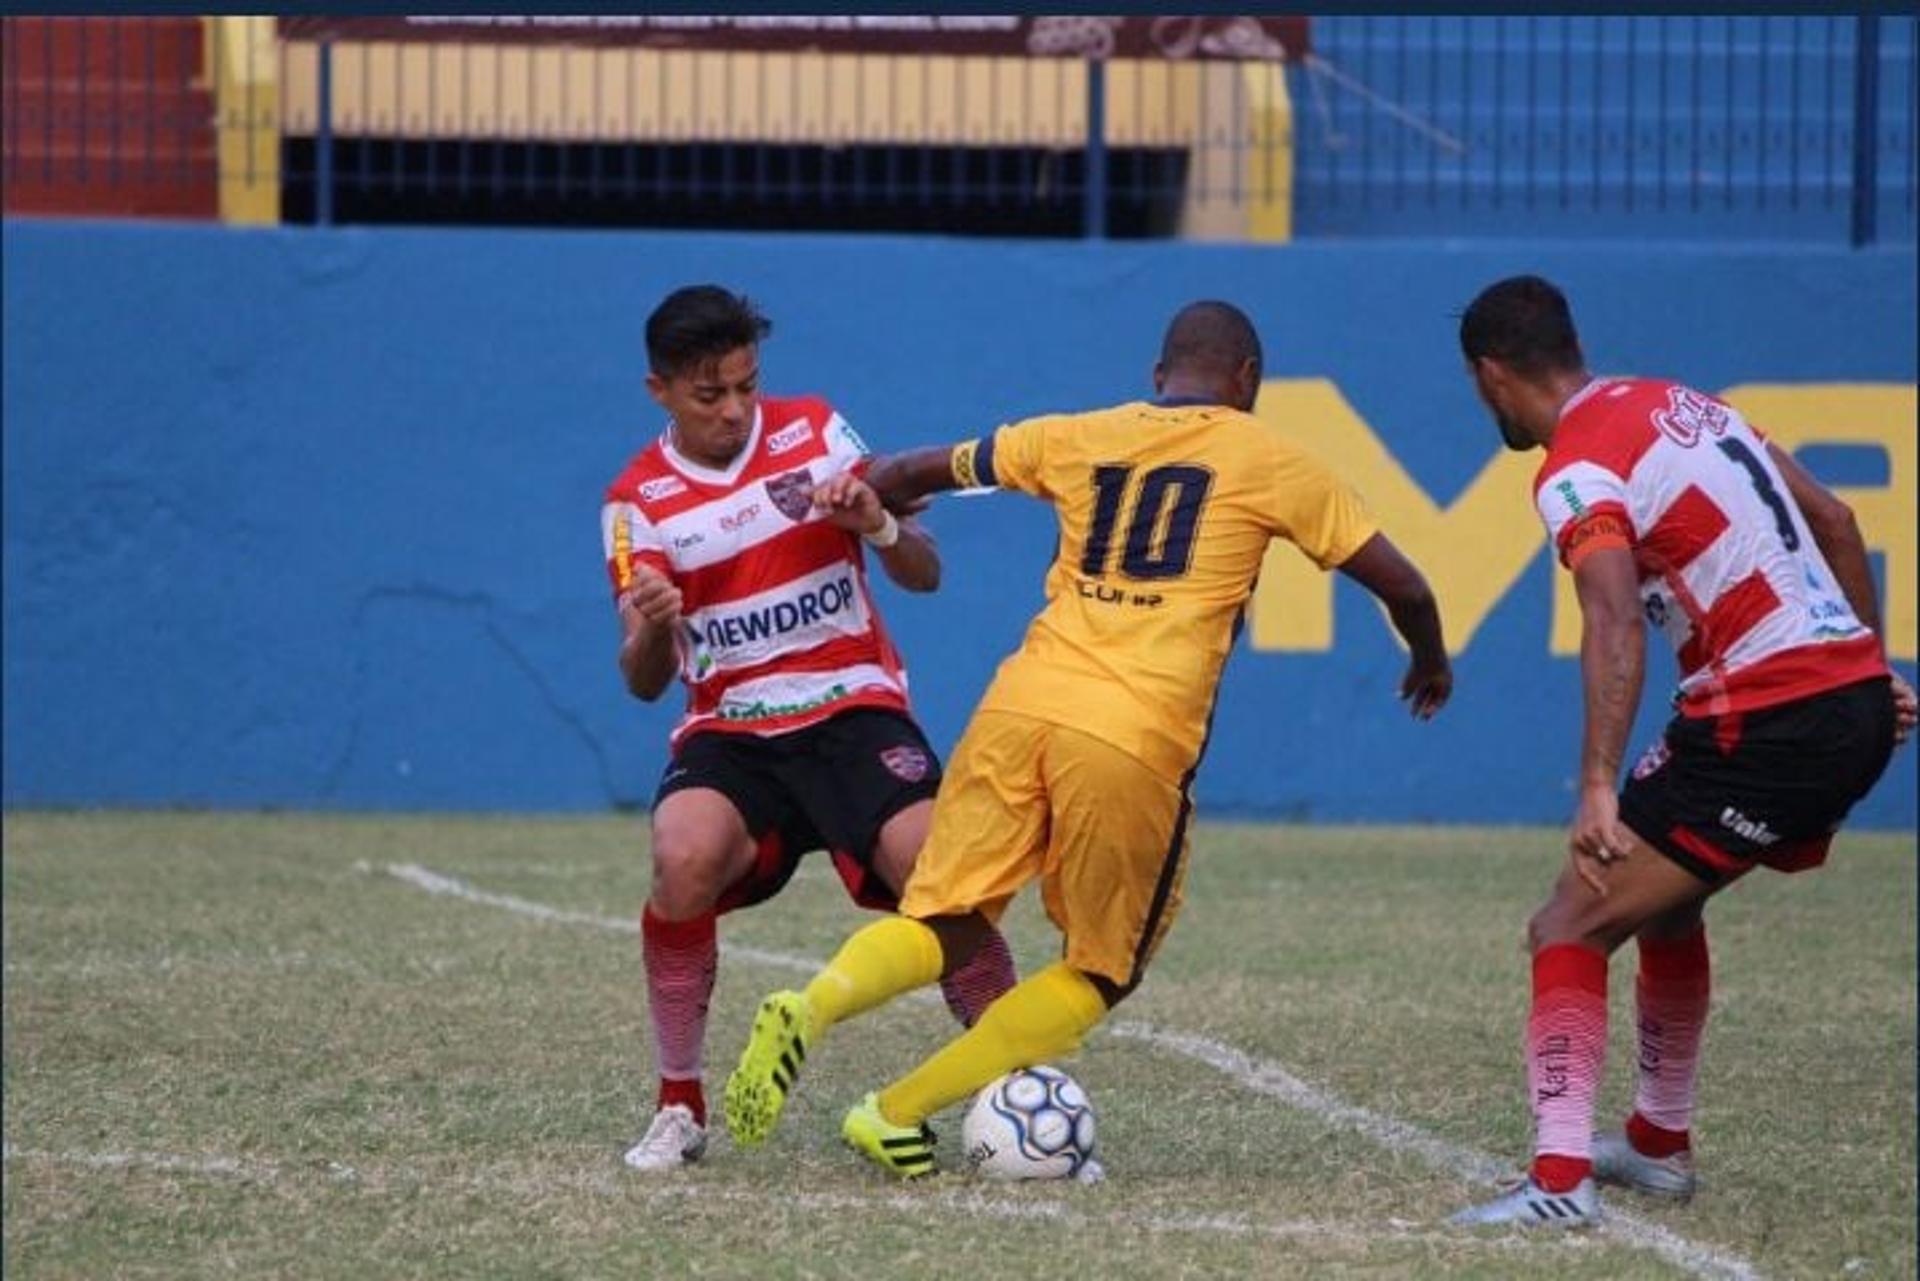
(1211,337)
(1523,322)
(701,323)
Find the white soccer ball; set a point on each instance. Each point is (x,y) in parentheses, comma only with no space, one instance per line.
(1036,1123)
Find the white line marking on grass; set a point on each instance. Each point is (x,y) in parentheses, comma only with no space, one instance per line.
(166,964)
(1259,1076)
(224,1167)
(1275,1081)
(963,1203)
(435,883)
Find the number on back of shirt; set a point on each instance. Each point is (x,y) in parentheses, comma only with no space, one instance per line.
(1776,502)
(1165,506)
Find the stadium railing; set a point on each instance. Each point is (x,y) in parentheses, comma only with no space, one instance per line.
(1786,127)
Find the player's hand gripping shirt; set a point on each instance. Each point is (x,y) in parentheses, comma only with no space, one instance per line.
(1728,569)
(778,627)
(1165,512)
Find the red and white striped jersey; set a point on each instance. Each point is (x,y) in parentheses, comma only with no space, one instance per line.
(1728,568)
(778,626)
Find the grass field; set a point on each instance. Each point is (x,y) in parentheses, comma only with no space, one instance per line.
(327,1047)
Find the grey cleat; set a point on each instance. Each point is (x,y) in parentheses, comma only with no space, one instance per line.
(1528,1205)
(1617,1163)
(674,1141)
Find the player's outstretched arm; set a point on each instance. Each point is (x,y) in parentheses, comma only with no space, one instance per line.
(1380,568)
(906,551)
(902,480)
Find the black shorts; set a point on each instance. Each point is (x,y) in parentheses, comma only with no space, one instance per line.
(1721,794)
(829,786)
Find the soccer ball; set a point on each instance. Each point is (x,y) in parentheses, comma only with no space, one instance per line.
(1036,1123)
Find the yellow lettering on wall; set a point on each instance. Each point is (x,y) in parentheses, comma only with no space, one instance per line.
(1874,414)
(1471,550)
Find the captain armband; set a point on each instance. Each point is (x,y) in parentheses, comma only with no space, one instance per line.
(1596,533)
(966,472)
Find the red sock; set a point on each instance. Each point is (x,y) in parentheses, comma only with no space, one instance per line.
(1649,1139)
(686,1093)
(681,957)
(1671,997)
(1566,1050)
(981,981)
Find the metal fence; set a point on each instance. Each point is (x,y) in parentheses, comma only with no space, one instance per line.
(1724,125)
(1771,127)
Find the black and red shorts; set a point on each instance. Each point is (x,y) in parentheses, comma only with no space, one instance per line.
(1720,795)
(830,786)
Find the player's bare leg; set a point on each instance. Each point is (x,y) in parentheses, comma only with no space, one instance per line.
(700,847)
(1571,938)
(979,965)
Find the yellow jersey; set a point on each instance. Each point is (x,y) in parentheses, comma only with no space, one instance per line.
(1165,512)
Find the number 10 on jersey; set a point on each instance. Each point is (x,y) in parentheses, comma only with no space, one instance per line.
(1166,504)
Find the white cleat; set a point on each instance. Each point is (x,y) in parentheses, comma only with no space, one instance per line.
(1529,1205)
(674,1140)
(1617,1162)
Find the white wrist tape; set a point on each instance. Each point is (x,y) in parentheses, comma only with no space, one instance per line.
(886,536)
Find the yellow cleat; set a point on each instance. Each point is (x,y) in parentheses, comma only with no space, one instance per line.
(769,1066)
(906,1151)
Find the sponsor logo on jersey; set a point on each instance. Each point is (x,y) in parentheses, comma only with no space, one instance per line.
(1688,415)
(681,542)
(1566,490)
(790,437)
(735,521)
(792,493)
(760,709)
(1740,825)
(662,487)
(777,618)
(846,432)
(907,763)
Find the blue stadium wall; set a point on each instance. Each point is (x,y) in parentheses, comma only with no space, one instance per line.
(310,519)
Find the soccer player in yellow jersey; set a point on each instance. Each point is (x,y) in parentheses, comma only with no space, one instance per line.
(1077,764)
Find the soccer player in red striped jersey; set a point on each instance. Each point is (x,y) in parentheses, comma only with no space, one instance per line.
(736,543)
(1663,501)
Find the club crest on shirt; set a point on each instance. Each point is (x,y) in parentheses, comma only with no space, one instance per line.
(909,764)
(792,493)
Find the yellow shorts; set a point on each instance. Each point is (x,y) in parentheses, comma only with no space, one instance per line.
(1024,798)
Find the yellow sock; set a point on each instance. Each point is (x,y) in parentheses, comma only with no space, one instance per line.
(879,962)
(1041,1019)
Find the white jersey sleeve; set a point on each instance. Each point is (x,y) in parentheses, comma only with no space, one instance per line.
(845,450)
(1580,501)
